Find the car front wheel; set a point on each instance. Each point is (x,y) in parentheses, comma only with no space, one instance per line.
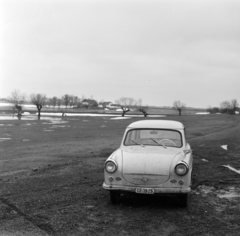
(115,197)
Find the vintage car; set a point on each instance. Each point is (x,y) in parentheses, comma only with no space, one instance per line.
(153,158)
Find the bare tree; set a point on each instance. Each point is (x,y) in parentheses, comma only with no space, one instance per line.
(53,101)
(234,105)
(179,106)
(59,101)
(126,103)
(18,99)
(213,110)
(38,100)
(226,107)
(66,99)
(141,108)
(229,107)
(73,100)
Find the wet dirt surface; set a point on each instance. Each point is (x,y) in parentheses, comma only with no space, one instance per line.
(51,184)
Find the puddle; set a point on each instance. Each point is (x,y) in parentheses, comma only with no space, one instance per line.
(26,140)
(29,117)
(58,126)
(55,122)
(232,168)
(205,160)
(206,189)
(47,130)
(76,114)
(229,193)
(202,113)
(5,138)
(120,118)
(57,115)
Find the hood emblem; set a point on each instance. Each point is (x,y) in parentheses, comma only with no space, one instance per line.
(144,179)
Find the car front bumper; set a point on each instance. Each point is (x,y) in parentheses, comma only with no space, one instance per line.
(156,189)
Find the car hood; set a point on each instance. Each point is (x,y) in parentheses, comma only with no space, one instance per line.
(153,164)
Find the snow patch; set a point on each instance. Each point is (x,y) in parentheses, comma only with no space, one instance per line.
(224,147)
(232,168)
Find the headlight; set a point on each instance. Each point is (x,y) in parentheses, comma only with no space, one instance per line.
(111,167)
(181,169)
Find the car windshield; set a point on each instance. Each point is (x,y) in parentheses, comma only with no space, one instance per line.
(153,137)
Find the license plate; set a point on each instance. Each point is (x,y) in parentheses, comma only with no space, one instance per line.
(145,190)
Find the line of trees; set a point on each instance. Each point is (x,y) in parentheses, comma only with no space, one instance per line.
(227,107)
(40,100)
(126,103)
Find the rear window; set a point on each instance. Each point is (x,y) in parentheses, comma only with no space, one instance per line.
(153,137)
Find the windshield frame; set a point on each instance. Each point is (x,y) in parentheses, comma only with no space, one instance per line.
(174,130)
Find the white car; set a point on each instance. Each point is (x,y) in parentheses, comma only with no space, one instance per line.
(153,158)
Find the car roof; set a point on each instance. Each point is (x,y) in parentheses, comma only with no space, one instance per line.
(157,124)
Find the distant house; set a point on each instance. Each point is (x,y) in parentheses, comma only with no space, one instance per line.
(105,104)
(89,103)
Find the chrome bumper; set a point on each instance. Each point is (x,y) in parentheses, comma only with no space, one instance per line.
(156,190)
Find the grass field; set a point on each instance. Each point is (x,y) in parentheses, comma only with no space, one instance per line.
(51,172)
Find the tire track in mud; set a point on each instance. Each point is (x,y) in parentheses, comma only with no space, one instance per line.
(215,132)
(42,226)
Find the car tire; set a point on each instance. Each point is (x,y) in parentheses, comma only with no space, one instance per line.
(183,200)
(115,197)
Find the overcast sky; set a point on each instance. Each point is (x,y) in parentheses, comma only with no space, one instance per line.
(157,50)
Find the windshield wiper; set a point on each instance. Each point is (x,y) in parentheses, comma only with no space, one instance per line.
(158,143)
(155,141)
(134,142)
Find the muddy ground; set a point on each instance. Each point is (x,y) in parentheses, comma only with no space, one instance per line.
(51,175)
